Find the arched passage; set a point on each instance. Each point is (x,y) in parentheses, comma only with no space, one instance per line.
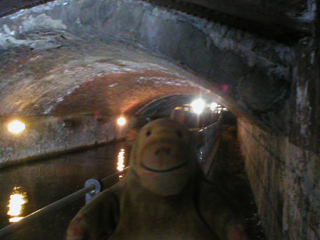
(66,56)
(234,64)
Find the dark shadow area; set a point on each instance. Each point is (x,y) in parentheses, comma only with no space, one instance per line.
(229,172)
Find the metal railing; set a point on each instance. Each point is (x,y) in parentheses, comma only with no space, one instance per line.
(209,137)
(91,189)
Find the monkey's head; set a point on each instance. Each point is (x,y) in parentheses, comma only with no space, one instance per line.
(163,156)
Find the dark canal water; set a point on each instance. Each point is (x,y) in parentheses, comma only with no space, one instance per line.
(29,187)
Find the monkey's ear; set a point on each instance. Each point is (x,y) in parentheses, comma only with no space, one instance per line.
(133,153)
(132,134)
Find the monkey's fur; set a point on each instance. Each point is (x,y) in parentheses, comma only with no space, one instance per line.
(163,195)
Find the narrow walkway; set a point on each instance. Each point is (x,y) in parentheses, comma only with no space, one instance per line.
(229,171)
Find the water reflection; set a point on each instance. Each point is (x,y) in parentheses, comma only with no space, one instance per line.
(16,204)
(120,164)
(51,180)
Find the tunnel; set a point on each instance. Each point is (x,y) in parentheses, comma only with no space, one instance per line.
(70,68)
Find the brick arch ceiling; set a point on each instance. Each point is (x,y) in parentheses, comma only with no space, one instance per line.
(80,57)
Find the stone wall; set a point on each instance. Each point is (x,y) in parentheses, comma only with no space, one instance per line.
(285,182)
(284,169)
(47,136)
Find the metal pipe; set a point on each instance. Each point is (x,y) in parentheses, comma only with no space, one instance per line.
(105,180)
(52,207)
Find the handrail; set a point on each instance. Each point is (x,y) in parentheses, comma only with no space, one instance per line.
(54,206)
(210,135)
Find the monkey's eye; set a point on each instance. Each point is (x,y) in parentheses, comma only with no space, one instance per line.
(148,133)
(179,133)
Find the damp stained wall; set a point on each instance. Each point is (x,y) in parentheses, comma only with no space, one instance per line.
(284,168)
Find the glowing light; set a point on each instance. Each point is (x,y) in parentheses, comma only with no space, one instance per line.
(15,219)
(213,106)
(16,202)
(121,121)
(120,165)
(198,106)
(16,127)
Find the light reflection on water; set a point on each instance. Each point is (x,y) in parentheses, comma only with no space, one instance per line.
(16,204)
(48,181)
(120,164)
